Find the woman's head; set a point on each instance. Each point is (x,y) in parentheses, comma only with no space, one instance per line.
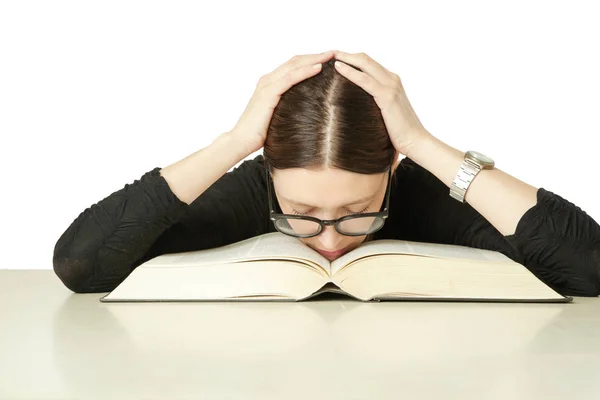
(326,148)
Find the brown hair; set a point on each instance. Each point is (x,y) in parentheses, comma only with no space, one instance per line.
(328,121)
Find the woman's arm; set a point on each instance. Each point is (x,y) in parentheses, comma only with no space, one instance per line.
(554,238)
(182,207)
(190,177)
(501,198)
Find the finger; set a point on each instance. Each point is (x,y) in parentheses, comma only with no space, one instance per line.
(288,80)
(362,79)
(367,64)
(296,62)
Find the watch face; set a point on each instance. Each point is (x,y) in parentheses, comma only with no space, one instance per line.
(481,158)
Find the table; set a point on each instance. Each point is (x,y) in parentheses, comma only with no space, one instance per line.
(55,344)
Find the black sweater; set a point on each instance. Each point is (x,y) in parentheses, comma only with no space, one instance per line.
(555,239)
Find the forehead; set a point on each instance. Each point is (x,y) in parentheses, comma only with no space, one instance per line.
(325,188)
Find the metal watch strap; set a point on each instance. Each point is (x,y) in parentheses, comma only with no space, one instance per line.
(467,171)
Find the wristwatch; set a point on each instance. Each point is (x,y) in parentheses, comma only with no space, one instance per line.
(472,164)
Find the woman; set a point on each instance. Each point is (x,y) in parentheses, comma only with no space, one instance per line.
(332,137)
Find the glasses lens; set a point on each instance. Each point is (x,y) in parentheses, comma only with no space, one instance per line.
(352,226)
(361,225)
(293,226)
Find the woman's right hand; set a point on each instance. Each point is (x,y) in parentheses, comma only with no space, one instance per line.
(251,129)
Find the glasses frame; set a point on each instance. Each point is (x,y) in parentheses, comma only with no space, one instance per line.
(274,216)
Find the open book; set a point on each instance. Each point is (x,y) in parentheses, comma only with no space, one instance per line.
(275,266)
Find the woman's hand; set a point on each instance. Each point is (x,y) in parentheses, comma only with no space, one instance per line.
(403,125)
(251,129)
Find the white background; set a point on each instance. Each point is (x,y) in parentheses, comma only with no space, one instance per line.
(95,94)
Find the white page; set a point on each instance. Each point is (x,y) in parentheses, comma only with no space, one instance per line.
(267,246)
(254,279)
(421,276)
(437,250)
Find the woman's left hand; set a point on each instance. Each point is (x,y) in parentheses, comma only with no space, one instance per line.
(403,125)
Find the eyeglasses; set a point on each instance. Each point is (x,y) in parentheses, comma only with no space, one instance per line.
(301,226)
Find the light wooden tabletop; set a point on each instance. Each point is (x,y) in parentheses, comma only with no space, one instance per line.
(58,345)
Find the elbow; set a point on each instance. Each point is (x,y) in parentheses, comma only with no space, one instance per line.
(573,272)
(591,282)
(74,274)
(582,287)
(584,293)
(75,263)
(87,273)
(73,268)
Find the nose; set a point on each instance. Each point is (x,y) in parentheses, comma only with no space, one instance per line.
(329,238)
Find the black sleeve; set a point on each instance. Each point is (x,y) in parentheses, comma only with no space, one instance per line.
(556,240)
(145,219)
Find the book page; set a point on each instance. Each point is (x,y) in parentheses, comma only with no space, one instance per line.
(415,276)
(251,280)
(437,250)
(274,245)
